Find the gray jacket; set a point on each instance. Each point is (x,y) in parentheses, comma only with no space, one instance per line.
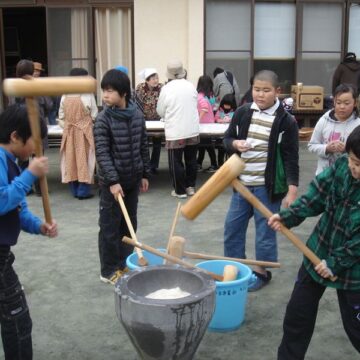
(222,86)
(326,130)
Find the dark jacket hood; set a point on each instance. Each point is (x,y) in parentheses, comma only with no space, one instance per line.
(122,114)
(353,65)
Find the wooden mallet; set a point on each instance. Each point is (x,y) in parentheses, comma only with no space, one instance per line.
(254,201)
(177,248)
(214,186)
(192,208)
(141,259)
(170,258)
(50,86)
(172,230)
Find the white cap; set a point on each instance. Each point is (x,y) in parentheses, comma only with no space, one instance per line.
(289,101)
(145,73)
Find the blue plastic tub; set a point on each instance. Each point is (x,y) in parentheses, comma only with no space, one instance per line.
(231,296)
(132,260)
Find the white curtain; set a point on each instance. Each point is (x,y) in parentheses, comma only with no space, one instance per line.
(354,30)
(229,17)
(69,40)
(112,41)
(274,31)
(79,38)
(322,26)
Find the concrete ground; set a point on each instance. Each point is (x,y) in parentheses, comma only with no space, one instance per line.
(73,312)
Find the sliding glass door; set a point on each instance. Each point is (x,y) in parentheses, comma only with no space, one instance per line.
(69,40)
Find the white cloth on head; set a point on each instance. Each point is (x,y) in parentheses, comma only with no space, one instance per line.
(145,73)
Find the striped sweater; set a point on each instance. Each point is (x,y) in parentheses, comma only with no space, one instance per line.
(258,137)
(283,133)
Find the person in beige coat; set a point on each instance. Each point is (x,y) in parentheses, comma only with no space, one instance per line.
(77,151)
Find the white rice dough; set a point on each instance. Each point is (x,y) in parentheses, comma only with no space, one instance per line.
(166,294)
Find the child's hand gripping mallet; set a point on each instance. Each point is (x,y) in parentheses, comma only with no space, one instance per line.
(141,259)
(50,86)
(254,201)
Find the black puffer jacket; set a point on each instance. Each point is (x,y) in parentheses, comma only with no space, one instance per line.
(121,146)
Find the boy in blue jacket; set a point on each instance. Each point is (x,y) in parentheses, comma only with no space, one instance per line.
(16,143)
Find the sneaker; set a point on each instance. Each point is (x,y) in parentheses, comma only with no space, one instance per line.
(90,196)
(258,281)
(199,167)
(179,196)
(190,191)
(113,278)
(211,169)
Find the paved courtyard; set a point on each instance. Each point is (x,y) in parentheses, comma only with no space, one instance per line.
(74,314)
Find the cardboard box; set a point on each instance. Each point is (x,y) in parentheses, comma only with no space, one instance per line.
(307,97)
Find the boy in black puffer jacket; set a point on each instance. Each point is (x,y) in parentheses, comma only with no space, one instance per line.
(122,156)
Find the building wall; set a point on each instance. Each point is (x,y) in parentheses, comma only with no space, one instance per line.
(165,30)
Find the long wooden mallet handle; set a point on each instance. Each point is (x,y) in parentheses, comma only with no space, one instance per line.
(195,255)
(256,203)
(141,259)
(49,86)
(177,248)
(218,182)
(173,225)
(168,257)
(33,113)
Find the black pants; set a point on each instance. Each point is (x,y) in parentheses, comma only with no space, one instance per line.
(16,324)
(222,155)
(155,154)
(206,144)
(301,315)
(112,251)
(183,177)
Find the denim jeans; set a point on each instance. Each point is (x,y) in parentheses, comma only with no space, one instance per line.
(112,251)
(52,117)
(16,324)
(236,223)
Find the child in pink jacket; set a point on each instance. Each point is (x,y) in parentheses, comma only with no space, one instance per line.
(206,115)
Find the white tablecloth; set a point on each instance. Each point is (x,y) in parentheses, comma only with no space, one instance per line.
(156,126)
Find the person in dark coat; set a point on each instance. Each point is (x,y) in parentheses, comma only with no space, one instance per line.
(347,72)
(122,155)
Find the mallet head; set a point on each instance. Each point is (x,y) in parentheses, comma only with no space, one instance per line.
(49,86)
(229,171)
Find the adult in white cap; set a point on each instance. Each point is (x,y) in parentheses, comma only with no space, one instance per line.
(147,94)
(177,107)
